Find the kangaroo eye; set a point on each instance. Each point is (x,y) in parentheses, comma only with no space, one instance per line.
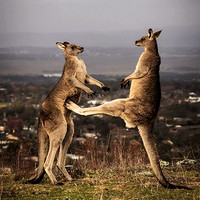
(73,47)
(142,39)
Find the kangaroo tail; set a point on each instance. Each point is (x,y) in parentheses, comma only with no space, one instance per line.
(146,133)
(42,154)
(171,186)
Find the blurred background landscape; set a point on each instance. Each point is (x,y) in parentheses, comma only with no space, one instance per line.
(31,64)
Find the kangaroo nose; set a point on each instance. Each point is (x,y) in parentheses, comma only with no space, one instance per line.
(82,48)
(136,42)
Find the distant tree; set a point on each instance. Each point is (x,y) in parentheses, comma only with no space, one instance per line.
(161,131)
(29,115)
(16,108)
(15,125)
(102,126)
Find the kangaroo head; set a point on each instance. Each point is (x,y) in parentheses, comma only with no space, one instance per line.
(70,49)
(148,41)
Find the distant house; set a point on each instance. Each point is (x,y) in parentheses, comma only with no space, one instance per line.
(96,102)
(161,118)
(80,140)
(3,89)
(2,129)
(52,74)
(12,137)
(90,135)
(193,98)
(182,121)
(5,140)
(93,102)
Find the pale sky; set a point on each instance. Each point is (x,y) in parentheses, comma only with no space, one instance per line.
(62,16)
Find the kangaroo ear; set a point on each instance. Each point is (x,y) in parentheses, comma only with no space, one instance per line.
(150,33)
(60,45)
(157,34)
(66,43)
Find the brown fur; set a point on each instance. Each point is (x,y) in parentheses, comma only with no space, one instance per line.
(55,123)
(141,107)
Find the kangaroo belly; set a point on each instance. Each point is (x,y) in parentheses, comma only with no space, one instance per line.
(146,90)
(138,111)
(51,118)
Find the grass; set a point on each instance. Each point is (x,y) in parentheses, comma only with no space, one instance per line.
(3,105)
(108,184)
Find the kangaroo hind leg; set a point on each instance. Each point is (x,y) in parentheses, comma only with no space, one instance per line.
(55,140)
(113,108)
(64,148)
(116,108)
(42,153)
(146,133)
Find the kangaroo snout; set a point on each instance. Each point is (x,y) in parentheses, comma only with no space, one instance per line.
(138,43)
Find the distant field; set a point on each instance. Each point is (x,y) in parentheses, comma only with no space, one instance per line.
(111,61)
(24,67)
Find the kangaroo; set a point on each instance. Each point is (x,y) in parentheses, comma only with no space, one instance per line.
(56,128)
(141,107)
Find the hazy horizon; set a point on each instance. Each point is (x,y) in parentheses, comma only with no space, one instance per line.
(97,23)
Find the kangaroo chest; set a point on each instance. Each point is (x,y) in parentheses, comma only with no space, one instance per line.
(81,71)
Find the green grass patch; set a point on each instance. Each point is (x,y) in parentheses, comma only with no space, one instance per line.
(105,185)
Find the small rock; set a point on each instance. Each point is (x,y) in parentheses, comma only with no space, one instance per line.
(186,162)
(164,163)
